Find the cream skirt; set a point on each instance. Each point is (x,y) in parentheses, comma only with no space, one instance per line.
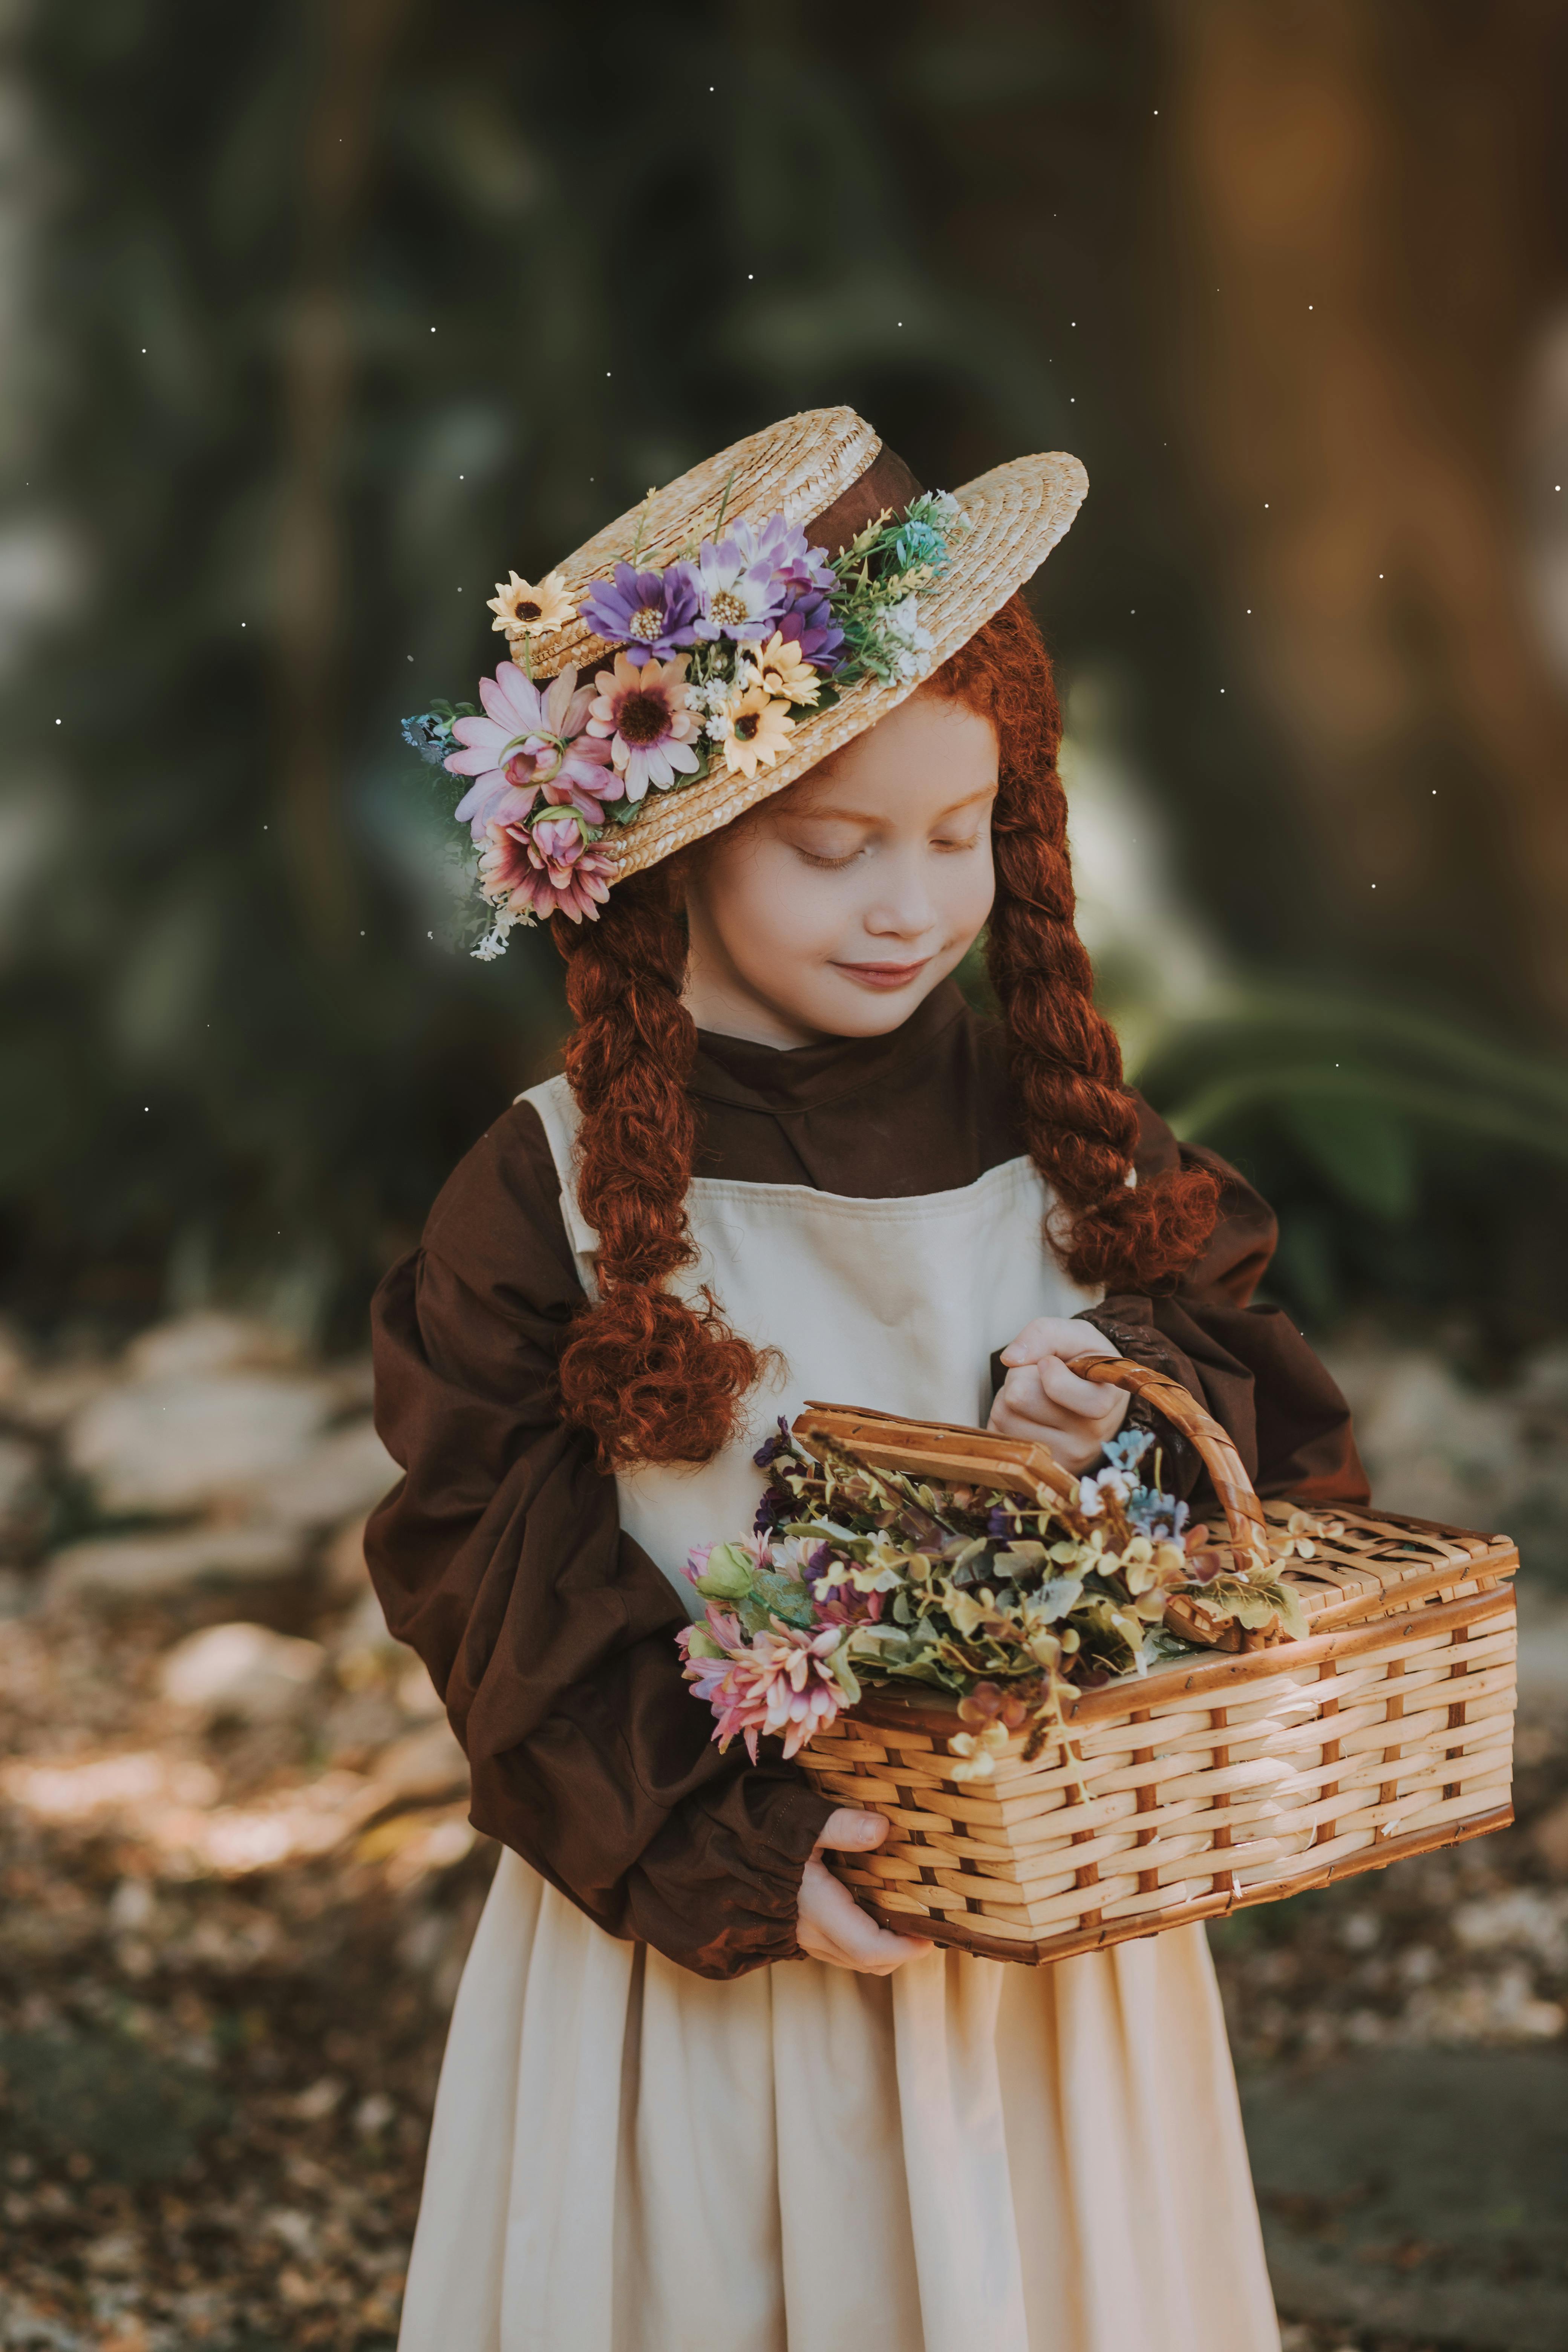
(968,2155)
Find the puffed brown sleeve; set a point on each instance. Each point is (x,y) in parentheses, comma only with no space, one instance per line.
(1249,1365)
(548,1632)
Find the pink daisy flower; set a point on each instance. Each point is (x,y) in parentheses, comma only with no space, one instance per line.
(650,731)
(557,875)
(779,1686)
(531,742)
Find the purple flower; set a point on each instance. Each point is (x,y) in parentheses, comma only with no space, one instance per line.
(777,1506)
(808,622)
(743,596)
(531,740)
(819,1564)
(783,544)
(773,1445)
(652,614)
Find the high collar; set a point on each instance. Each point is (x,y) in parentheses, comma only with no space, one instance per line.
(784,1078)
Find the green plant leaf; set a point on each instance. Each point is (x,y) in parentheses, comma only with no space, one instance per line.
(1363,1147)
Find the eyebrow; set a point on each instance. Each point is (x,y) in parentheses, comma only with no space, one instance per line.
(864,816)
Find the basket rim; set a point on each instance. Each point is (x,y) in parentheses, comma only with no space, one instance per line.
(886,1705)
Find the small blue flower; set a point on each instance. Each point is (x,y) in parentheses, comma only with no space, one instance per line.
(430,735)
(918,543)
(1127,1449)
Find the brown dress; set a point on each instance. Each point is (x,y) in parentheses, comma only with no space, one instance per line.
(581,2064)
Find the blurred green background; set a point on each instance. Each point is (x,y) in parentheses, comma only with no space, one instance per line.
(319,317)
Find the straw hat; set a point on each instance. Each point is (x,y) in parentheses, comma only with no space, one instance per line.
(827,469)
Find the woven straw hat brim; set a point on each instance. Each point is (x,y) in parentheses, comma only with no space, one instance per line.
(799,467)
(1016,514)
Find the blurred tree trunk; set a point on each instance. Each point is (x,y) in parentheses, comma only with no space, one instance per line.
(1359,255)
(353,43)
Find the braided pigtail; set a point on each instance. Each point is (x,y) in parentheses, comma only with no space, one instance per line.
(651,1378)
(654,1379)
(1079,1120)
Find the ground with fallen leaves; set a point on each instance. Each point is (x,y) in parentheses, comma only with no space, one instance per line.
(232,1928)
(218,2078)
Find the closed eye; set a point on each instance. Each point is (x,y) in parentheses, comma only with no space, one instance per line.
(833,863)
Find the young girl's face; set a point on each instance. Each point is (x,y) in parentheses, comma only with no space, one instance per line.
(834,908)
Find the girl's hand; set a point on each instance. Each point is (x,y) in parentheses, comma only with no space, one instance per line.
(831,1925)
(1041,1400)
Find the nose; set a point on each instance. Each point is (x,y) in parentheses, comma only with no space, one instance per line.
(904,908)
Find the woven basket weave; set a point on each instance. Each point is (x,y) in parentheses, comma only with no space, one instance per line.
(1223,1781)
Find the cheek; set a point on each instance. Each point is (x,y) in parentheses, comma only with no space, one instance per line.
(970,891)
(769,910)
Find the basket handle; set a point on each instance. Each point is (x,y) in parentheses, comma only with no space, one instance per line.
(1244,1518)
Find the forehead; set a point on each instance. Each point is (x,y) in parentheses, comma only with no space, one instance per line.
(928,744)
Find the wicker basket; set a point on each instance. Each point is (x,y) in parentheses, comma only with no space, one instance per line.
(1225,1779)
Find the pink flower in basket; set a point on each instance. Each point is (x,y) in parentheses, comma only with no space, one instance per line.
(779,1685)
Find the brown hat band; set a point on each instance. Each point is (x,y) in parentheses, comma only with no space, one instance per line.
(887,482)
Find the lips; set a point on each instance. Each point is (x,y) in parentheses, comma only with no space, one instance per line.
(885,975)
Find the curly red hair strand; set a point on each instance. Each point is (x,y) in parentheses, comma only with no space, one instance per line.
(656,1378)
(652,1378)
(1079,1120)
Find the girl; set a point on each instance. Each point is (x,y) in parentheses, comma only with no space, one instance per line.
(695,2099)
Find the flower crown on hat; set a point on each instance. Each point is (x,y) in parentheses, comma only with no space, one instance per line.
(714,654)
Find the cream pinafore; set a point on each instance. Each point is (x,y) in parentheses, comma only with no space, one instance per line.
(968,2155)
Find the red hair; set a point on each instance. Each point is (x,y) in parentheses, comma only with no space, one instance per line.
(655,1380)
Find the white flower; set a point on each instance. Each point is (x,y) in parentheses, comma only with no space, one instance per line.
(903,644)
(493,944)
(718,727)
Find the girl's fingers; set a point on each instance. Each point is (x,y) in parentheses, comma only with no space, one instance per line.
(1023,1408)
(1030,1396)
(833,1928)
(1053,1335)
(849,1831)
(1086,1399)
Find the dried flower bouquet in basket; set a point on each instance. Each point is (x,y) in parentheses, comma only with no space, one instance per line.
(1002,1595)
(1084,1717)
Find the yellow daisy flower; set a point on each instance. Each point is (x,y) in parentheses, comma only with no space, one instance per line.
(523,610)
(785,671)
(758,730)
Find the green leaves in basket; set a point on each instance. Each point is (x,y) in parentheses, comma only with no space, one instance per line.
(1057,1597)
(772,1595)
(1110,1636)
(1254,1601)
(856,1576)
(843,1674)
